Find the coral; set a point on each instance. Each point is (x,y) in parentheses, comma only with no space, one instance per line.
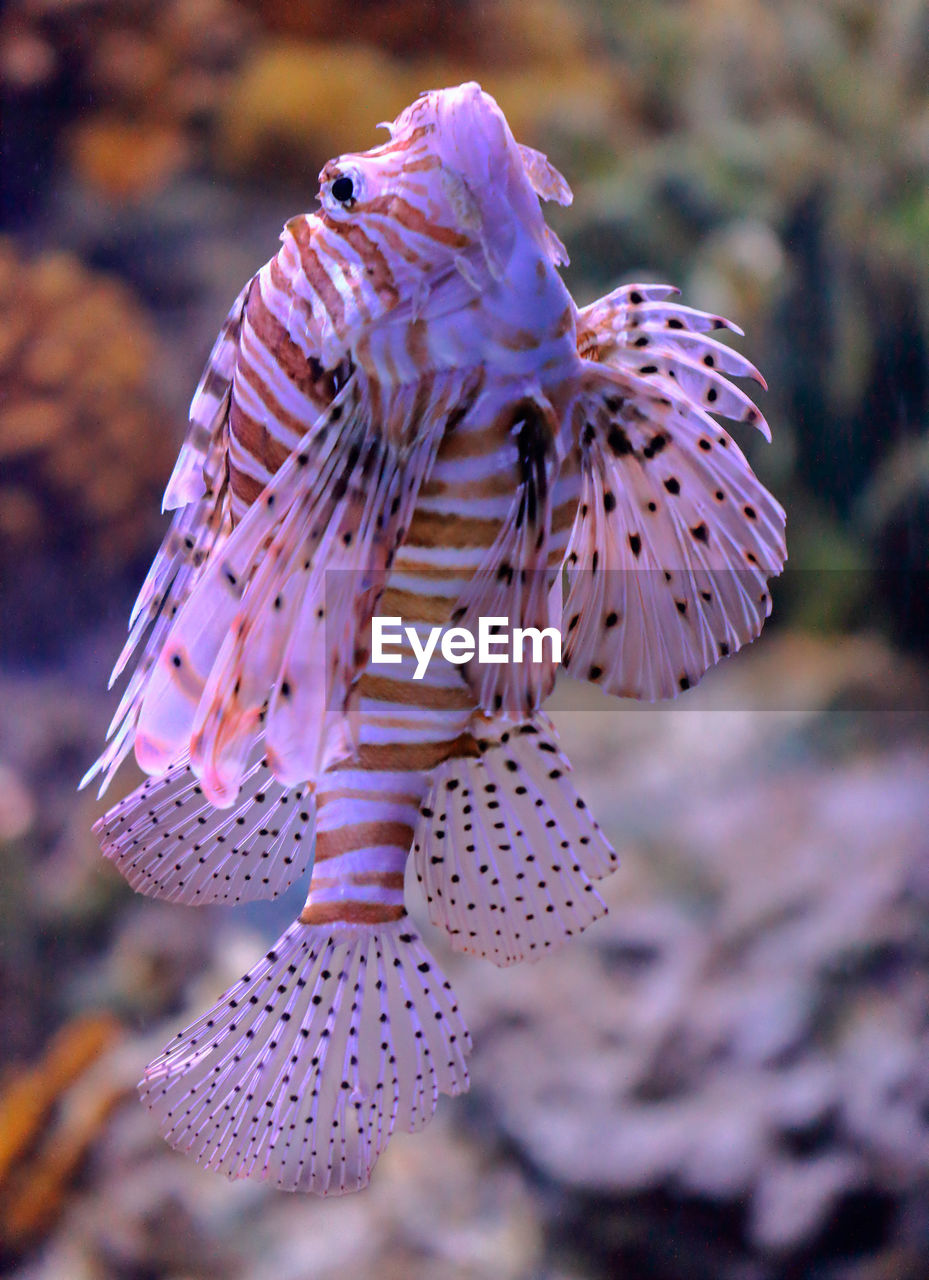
(288,107)
(84,446)
(398,26)
(146,81)
(322,73)
(51,1113)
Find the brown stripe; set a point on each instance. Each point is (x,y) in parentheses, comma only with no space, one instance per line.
(255,438)
(412,605)
(410,140)
(331,250)
(351,913)
(325,290)
(364,793)
(492,486)
(333,168)
(214,382)
(377,270)
(423,164)
(293,429)
(243,486)
(406,566)
(403,143)
(417,343)
(450,529)
(399,210)
(385,723)
(420,694)
(563,516)
(519,340)
(361,835)
(283,270)
(380,879)
(385,366)
(397,244)
(200,435)
(409,755)
(308,376)
(473,444)
(565,323)
(421,404)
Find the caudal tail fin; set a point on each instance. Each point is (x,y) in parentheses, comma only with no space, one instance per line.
(506,850)
(303,1069)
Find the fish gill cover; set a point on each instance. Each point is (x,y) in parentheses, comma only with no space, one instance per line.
(406,415)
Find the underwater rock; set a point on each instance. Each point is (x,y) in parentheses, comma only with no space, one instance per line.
(472,36)
(288,103)
(441,1206)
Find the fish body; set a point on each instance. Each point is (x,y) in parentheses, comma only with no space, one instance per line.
(406,415)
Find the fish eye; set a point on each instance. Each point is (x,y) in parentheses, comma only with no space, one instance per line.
(340,193)
(343,189)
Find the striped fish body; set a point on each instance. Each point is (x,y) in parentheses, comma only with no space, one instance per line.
(412,722)
(406,415)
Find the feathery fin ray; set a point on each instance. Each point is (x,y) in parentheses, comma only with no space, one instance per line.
(301,1071)
(198,493)
(675,537)
(506,849)
(170,842)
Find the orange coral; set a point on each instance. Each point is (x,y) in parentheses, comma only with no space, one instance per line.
(83,445)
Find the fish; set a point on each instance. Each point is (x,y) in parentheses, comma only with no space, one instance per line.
(406,416)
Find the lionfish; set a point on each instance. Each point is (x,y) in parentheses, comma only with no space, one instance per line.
(406,414)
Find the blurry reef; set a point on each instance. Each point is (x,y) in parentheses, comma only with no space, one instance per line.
(728,1078)
(84,447)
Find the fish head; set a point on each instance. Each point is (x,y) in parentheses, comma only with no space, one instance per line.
(450,192)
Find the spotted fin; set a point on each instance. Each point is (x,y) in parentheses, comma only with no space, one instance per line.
(675,537)
(301,1072)
(639,330)
(170,842)
(506,850)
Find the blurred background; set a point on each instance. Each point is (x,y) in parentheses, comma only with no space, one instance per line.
(729,1076)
